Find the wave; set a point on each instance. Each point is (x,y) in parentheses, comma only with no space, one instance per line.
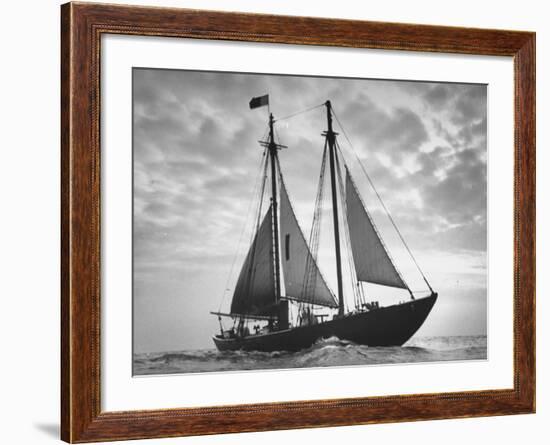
(325,352)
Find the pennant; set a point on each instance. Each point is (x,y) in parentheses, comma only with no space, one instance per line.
(260,101)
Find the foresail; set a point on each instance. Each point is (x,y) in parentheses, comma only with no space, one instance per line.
(372,262)
(255,290)
(303,280)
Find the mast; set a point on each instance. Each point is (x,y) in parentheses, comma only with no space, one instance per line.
(331,139)
(273,159)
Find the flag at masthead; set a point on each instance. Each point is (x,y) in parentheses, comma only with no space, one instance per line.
(260,101)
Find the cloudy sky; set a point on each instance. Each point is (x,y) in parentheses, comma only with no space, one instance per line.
(196,159)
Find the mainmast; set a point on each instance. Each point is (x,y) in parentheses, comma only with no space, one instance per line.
(331,140)
(273,147)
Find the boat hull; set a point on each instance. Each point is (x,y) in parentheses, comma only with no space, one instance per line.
(385,326)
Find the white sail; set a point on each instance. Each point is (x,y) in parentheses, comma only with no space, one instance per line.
(372,262)
(303,280)
(255,290)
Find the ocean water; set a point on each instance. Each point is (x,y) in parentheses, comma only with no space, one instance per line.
(326,352)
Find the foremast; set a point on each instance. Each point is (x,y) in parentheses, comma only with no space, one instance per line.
(273,148)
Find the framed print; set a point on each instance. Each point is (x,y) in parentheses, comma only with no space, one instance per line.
(278,222)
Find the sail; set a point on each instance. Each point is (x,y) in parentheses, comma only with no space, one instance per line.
(303,280)
(255,290)
(372,262)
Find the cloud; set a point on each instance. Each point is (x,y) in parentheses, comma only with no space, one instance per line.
(439,95)
(393,133)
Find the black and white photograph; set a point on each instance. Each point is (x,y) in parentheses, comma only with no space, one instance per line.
(284,221)
(275,222)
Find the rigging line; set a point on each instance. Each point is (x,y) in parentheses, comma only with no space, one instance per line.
(277,134)
(307,300)
(308,270)
(381,201)
(266,133)
(319,217)
(281,179)
(265,158)
(361,292)
(347,238)
(299,112)
(310,281)
(253,237)
(243,228)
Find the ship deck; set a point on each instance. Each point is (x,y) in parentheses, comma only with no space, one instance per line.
(385,326)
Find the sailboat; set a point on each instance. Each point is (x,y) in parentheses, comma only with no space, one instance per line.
(279,254)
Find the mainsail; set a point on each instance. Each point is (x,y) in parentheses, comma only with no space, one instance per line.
(372,262)
(255,290)
(303,280)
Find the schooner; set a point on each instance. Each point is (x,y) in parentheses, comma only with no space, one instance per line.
(279,254)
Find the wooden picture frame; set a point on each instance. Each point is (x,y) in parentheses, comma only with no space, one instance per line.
(82,25)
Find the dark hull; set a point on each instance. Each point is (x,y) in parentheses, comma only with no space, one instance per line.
(386,326)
